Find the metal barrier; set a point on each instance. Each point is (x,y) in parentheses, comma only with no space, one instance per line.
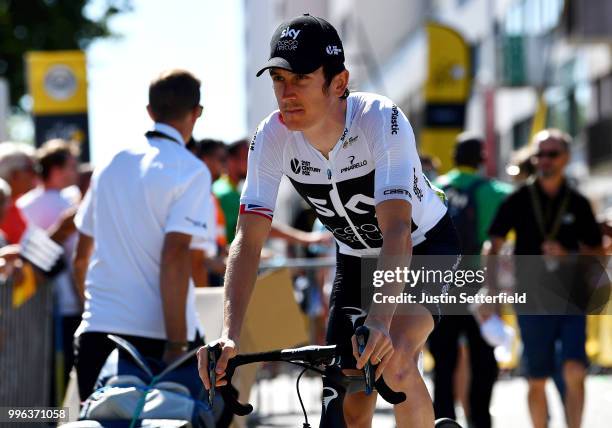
(26,348)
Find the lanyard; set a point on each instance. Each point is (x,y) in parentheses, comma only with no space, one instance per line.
(157,134)
(542,217)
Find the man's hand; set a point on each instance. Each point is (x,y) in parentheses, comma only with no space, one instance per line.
(64,227)
(228,350)
(378,350)
(319,238)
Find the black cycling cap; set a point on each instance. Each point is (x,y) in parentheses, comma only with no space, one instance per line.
(303,44)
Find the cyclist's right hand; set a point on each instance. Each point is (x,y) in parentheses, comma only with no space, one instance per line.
(229,349)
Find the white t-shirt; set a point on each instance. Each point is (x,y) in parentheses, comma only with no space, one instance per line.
(209,244)
(374,160)
(43,208)
(144,193)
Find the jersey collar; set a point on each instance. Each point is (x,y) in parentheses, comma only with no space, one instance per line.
(169,131)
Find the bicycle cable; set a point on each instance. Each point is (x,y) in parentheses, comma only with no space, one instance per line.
(297,387)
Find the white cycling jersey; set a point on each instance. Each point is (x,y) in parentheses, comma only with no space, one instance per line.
(374,160)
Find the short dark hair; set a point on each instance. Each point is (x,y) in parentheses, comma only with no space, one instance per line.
(207,147)
(54,154)
(173,94)
(234,148)
(331,70)
(468,150)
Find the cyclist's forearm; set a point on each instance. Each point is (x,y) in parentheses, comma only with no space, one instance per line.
(240,278)
(395,253)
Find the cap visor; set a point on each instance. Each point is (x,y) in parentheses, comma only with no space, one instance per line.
(275,62)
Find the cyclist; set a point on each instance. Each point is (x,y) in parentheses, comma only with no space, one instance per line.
(353,158)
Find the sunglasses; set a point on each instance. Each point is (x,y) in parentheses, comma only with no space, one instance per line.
(552,154)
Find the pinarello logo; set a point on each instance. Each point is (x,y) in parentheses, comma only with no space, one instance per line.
(295,166)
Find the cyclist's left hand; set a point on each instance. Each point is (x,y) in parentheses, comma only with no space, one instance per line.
(378,350)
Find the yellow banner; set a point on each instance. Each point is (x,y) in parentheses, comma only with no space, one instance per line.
(439,143)
(57,82)
(539,119)
(448,76)
(446,92)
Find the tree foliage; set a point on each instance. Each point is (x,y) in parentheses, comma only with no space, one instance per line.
(48,25)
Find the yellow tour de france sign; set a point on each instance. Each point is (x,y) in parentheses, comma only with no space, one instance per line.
(446,92)
(57,82)
(448,77)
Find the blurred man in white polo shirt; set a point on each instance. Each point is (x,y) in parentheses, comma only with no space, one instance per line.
(136,225)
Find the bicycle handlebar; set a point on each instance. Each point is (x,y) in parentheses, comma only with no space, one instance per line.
(307,356)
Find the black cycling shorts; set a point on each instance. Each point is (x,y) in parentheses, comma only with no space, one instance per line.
(347,311)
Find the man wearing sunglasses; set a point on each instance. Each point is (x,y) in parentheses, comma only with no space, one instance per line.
(553,219)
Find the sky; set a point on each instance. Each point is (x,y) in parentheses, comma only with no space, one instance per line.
(202,36)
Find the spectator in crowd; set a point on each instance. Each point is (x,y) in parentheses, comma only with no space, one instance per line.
(85,172)
(18,169)
(554,220)
(43,207)
(5,201)
(208,265)
(226,188)
(9,254)
(473,201)
(430,165)
(136,224)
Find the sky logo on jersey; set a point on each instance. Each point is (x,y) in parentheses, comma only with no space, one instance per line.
(252,145)
(289,32)
(353,165)
(256,209)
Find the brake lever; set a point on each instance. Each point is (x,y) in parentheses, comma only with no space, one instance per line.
(362,333)
(213,355)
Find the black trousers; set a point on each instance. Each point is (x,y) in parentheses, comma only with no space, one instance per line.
(92,349)
(69,326)
(443,345)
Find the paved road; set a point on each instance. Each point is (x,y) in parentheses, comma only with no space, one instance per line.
(277,404)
